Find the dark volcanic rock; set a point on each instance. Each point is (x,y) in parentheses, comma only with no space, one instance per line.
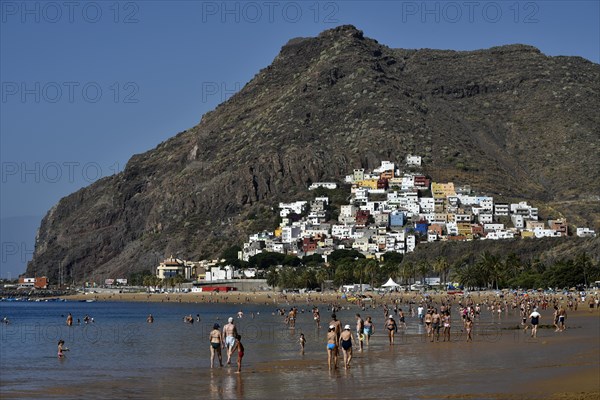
(508,120)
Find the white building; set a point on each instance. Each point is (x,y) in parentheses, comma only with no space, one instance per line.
(518,221)
(585,232)
(493,227)
(501,209)
(411,243)
(290,234)
(501,234)
(296,207)
(413,160)
(342,231)
(427,204)
(485,218)
(541,232)
(325,185)
(385,166)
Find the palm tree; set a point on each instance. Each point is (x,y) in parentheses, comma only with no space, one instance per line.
(423,268)
(408,272)
(441,267)
(371,269)
(492,265)
(322,276)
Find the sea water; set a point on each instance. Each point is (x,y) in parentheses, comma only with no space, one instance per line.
(120,355)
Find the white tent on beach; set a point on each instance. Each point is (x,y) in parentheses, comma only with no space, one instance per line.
(390,283)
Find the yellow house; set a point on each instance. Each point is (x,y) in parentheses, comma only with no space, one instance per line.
(464,229)
(368,183)
(278,232)
(442,190)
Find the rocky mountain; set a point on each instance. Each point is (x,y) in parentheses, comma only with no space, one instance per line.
(510,120)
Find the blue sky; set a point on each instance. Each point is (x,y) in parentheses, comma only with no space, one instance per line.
(87,84)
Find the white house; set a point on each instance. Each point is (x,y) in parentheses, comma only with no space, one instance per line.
(585,232)
(385,166)
(413,160)
(485,218)
(427,204)
(325,185)
(501,209)
(290,234)
(411,243)
(296,207)
(500,234)
(342,231)
(358,174)
(493,227)
(517,221)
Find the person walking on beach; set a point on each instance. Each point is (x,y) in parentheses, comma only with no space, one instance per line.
(446,322)
(346,345)
(435,325)
(229,335)
(562,314)
(360,326)
(215,345)
(469,329)
(369,329)
(337,325)
(390,325)
(332,344)
(535,320)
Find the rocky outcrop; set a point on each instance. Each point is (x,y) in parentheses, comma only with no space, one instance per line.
(509,120)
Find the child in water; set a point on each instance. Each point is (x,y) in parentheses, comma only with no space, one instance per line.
(61,348)
(302,342)
(240,350)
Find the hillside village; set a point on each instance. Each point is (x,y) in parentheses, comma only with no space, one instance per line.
(393,211)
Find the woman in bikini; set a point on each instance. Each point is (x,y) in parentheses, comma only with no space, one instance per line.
(391,327)
(215,345)
(332,351)
(346,345)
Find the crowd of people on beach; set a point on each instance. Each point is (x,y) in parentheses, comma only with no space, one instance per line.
(433,316)
(436,317)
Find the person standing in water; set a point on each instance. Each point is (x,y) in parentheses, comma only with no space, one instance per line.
(240,350)
(215,345)
(535,320)
(302,342)
(390,325)
(369,329)
(229,335)
(61,348)
(360,327)
(346,345)
(332,344)
(69,320)
(150,319)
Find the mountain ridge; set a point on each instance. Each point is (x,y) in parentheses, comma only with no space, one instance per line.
(494,118)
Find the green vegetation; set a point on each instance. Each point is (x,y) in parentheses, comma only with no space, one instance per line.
(487,270)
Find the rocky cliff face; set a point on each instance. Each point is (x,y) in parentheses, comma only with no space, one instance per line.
(509,120)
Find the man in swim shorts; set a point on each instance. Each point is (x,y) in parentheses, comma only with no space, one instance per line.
(229,335)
